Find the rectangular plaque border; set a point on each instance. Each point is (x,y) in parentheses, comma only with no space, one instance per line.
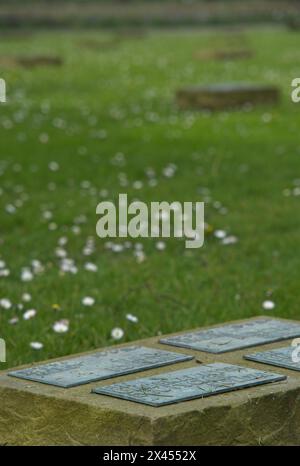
(185,358)
(103,390)
(254,357)
(166,341)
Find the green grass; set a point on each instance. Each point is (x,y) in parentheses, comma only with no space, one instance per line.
(128,91)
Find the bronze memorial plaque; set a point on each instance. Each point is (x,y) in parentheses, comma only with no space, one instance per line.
(235,336)
(187,384)
(286,357)
(99,366)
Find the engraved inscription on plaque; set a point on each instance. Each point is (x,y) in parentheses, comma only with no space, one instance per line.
(280,357)
(188,384)
(235,336)
(99,366)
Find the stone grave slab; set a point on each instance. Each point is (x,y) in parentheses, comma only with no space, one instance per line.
(33,413)
(280,357)
(226,96)
(30,61)
(99,366)
(235,336)
(187,384)
(100,45)
(39,60)
(224,54)
(294,23)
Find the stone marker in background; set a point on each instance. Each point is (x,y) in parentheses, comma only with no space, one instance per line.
(38,60)
(131,32)
(30,61)
(226,96)
(188,384)
(294,23)
(280,357)
(100,45)
(235,336)
(99,366)
(33,413)
(224,55)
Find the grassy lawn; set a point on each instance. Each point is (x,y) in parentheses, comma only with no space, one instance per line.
(118,97)
(111,13)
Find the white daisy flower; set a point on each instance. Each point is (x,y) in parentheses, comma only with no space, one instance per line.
(52,226)
(160,245)
(63,241)
(90,267)
(43,138)
(117,333)
(140,256)
(29,314)
(87,251)
(88,301)
(229,240)
(10,209)
(5,303)
(26,297)
(36,345)
(53,166)
(268,305)
(37,266)
(26,275)
(76,229)
(132,318)
(220,234)
(61,326)
(137,184)
(169,170)
(68,265)
(117,247)
(47,214)
(13,320)
(60,252)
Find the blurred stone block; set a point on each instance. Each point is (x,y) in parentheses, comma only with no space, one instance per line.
(226,96)
(38,60)
(225,54)
(30,61)
(294,23)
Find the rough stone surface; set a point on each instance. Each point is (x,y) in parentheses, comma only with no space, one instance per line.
(36,414)
(226,96)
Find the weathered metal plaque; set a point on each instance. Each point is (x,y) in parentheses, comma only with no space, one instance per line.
(99,366)
(280,357)
(235,336)
(188,384)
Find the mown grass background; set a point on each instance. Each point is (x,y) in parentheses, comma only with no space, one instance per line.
(118,96)
(167,13)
